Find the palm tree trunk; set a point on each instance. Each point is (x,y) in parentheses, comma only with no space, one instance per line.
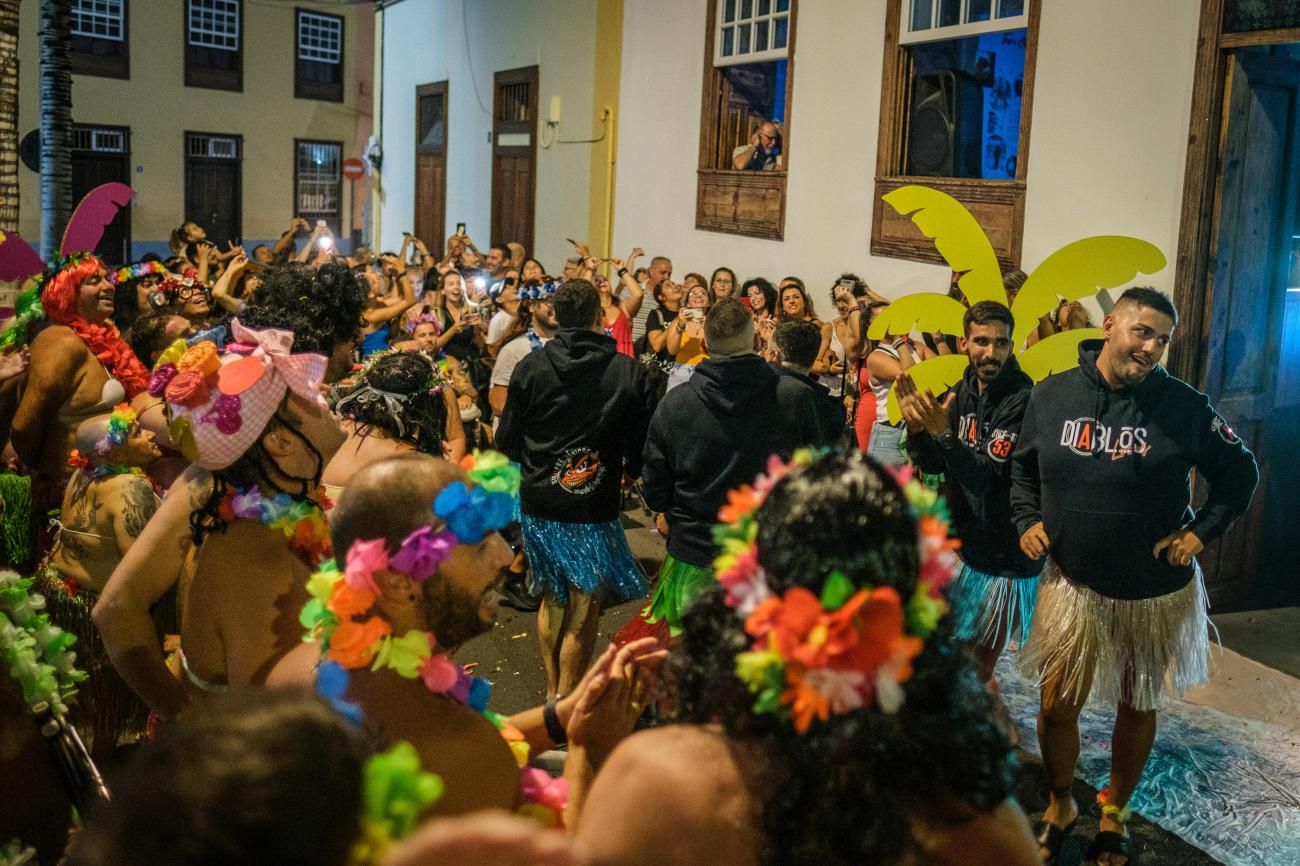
(56,123)
(8,115)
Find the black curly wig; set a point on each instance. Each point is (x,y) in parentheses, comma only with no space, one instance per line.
(847,788)
(416,414)
(322,305)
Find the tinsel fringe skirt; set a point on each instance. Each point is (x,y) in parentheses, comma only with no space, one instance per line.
(584,556)
(1132,651)
(989,610)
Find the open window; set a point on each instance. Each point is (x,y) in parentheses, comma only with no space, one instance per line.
(956,95)
(744,129)
(214,44)
(99,38)
(318,47)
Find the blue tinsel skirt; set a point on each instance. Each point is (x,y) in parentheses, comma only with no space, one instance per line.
(989,610)
(586,556)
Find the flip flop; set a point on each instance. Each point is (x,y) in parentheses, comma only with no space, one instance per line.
(1108,842)
(1052,838)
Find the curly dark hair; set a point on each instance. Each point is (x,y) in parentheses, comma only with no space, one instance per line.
(322,305)
(421,412)
(847,788)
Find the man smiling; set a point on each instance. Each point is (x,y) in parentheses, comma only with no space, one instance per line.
(1100,484)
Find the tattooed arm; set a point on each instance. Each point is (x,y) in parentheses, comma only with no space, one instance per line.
(134,503)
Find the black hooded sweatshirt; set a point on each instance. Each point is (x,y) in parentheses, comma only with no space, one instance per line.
(715,433)
(976,463)
(830,410)
(575,419)
(1108,471)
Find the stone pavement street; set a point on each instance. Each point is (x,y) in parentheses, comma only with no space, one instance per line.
(509,657)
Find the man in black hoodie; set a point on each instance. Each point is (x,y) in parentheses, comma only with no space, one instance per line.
(711,435)
(575,419)
(797,343)
(969,438)
(1100,483)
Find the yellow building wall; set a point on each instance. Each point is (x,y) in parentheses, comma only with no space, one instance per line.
(160,109)
(608,69)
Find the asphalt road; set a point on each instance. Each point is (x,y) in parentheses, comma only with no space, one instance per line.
(510,658)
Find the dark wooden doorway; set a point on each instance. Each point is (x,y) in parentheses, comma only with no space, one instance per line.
(431,166)
(100,155)
(214,184)
(514,156)
(1237,282)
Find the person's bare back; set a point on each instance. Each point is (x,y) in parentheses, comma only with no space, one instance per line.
(99,522)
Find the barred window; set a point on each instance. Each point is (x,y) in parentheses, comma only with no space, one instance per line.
(320,37)
(98,19)
(318,181)
(214,24)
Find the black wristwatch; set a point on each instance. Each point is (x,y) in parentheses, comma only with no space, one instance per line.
(551,718)
(946,438)
(622,272)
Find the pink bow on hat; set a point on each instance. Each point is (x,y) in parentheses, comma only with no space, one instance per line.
(228,410)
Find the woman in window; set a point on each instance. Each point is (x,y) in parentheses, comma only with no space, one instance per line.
(686,334)
(723,284)
(796,306)
(761,298)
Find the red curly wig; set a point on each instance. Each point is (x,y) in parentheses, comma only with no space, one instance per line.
(59,298)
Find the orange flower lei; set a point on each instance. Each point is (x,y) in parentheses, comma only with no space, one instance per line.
(812,656)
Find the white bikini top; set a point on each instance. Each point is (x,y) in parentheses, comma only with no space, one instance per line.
(112,393)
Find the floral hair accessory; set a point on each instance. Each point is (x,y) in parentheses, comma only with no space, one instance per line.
(366,394)
(37,653)
(423,319)
(119,427)
(539,291)
(812,656)
(489,506)
(138,271)
(396,791)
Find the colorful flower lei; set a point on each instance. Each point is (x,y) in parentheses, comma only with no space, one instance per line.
(395,793)
(38,654)
(538,291)
(812,656)
(119,427)
(339,614)
(301,521)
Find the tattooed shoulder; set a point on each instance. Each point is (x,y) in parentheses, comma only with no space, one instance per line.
(138,505)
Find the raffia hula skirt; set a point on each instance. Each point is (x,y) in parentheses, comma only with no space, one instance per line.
(1126,650)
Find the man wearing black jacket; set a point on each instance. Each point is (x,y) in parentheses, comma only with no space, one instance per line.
(575,419)
(1100,483)
(797,343)
(711,435)
(969,437)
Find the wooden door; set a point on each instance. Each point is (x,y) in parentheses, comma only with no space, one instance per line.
(102,155)
(214,184)
(1256,212)
(431,166)
(514,156)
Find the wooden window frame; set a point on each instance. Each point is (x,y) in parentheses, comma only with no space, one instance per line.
(721,190)
(116,65)
(319,90)
(204,76)
(999,205)
(297,205)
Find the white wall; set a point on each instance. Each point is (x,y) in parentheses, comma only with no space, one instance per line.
(1111,106)
(424,42)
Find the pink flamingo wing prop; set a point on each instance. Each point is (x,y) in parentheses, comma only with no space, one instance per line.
(18,260)
(100,206)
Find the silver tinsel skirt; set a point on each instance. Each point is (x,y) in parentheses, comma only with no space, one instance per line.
(1131,650)
(582,556)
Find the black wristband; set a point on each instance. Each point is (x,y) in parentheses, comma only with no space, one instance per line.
(622,272)
(554,729)
(947,438)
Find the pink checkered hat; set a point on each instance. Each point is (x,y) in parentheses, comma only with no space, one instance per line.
(226,398)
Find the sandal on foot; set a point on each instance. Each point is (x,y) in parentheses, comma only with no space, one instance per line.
(1108,842)
(1052,838)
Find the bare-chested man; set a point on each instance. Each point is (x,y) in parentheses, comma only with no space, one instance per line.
(105,508)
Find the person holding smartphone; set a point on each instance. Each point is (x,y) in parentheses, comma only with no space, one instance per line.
(763,152)
(685,334)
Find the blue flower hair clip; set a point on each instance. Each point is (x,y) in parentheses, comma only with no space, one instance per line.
(540,292)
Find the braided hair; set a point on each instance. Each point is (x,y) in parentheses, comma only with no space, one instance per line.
(848,788)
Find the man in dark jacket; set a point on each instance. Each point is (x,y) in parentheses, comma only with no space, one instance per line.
(711,435)
(1100,483)
(969,438)
(797,343)
(575,419)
